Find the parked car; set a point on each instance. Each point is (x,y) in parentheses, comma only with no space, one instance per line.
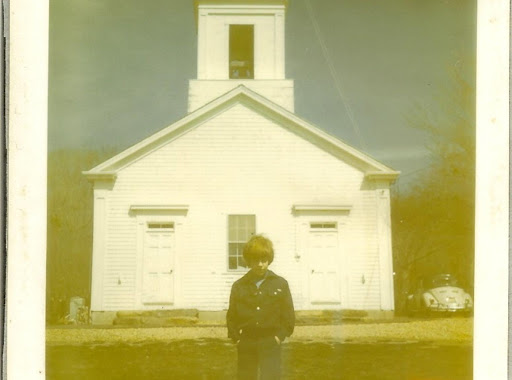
(438,294)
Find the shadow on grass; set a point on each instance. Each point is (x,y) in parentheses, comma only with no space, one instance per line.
(215,359)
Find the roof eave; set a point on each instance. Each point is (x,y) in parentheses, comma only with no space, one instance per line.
(247,4)
(382,176)
(94,176)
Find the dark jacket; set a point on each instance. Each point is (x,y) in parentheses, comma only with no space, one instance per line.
(267,311)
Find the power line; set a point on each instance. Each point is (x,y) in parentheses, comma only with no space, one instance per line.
(335,75)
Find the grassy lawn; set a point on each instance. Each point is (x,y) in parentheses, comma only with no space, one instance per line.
(215,359)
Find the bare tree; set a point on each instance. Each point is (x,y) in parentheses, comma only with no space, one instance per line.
(69,227)
(433,223)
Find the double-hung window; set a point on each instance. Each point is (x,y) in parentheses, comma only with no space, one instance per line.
(240,229)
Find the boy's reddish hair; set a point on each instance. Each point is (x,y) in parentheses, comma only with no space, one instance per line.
(258,247)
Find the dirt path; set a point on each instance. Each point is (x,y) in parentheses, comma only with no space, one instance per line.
(442,331)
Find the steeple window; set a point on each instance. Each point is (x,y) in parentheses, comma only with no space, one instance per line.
(241,51)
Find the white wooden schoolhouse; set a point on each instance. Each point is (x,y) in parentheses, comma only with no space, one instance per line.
(171,213)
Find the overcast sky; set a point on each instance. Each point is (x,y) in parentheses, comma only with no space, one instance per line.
(119,69)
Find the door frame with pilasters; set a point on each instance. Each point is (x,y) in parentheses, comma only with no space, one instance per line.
(159,214)
(304,216)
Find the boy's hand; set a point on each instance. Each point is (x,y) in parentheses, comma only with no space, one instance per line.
(277,340)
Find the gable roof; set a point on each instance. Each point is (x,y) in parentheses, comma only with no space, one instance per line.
(241,94)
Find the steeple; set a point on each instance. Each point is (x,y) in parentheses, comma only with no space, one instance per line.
(240,42)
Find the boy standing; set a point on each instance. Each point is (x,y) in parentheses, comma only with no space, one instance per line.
(260,314)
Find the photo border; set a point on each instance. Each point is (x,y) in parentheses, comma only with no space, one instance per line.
(27,115)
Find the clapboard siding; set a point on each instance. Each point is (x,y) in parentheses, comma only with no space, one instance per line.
(201,92)
(238,162)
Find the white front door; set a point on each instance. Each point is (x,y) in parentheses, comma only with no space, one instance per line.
(324,263)
(158,266)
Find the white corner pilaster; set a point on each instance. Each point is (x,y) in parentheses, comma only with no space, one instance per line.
(382,196)
(98,247)
(202,37)
(279,36)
